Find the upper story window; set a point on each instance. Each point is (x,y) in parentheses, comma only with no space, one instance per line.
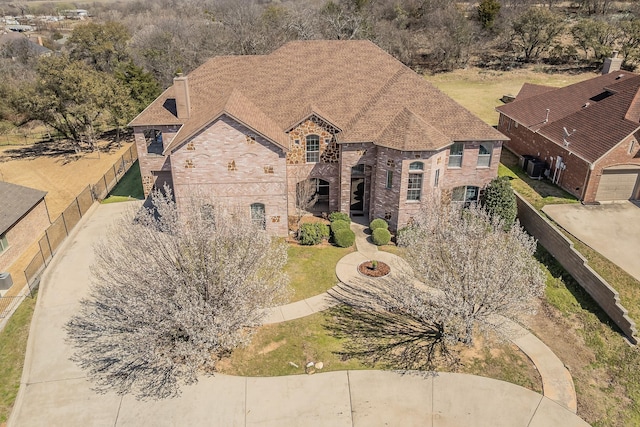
(416,166)
(436,180)
(153,138)
(455,155)
(484,155)
(414,188)
(313,149)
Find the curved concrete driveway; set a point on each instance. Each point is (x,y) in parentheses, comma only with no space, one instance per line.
(54,391)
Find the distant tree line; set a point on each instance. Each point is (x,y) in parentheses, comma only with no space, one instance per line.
(133,49)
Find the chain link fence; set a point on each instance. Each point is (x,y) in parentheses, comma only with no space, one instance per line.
(60,228)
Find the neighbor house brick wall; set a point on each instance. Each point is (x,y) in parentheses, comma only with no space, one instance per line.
(235,166)
(627,152)
(525,142)
(152,165)
(24,233)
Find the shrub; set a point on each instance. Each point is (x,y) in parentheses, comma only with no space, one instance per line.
(498,199)
(339,225)
(309,234)
(344,238)
(323,230)
(378,223)
(380,236)
(335,216)
(403,235)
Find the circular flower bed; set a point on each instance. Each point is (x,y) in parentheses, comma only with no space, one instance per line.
(368,268)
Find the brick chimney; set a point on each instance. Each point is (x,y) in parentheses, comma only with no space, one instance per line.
(612,64)
(181,91)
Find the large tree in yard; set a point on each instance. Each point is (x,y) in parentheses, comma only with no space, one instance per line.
(172,292)
(535,31)
(74,99)
(471,276)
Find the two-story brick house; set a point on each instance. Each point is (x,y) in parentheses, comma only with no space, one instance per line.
(372,135)
(587,133)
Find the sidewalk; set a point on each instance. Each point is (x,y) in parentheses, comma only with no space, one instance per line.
(55,392)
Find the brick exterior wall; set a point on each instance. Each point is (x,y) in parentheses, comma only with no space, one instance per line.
(24,233)
(562,249)
(622,154)
(153,166)
(580,177)
(470,173)
(235,166)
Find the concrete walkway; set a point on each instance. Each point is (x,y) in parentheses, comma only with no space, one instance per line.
(55,392)
(557,383)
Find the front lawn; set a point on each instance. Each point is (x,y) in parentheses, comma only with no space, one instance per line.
(312,269)
(13,346)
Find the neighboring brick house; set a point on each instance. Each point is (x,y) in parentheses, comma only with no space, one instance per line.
(586,132)
(23,219)
(373,136)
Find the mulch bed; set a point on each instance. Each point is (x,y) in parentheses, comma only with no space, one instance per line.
(367,269)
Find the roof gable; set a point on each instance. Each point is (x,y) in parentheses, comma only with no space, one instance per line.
(15,202)
(353,86)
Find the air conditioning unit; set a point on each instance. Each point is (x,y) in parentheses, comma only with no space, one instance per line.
(536,168)
(5,281)
(524,161)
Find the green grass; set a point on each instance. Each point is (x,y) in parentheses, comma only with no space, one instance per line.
(537,192)
(298,341)
(312,269)
(608,381)
(129,187)
(13,345)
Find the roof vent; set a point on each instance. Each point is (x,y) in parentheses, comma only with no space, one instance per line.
(619,76)
(586,105)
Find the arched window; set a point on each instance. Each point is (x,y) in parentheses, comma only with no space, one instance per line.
(153,138)
(416,166)
(258,217)
(313,149)
(484,155)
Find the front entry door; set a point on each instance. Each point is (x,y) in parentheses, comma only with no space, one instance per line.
(357,196)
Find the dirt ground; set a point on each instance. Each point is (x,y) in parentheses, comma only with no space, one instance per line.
(53,167)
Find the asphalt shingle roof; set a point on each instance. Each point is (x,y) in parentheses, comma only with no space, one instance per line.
(602,111)
(15,202)
(354,85)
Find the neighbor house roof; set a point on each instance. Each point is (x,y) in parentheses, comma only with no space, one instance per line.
(592,116)
(15,202)
(353,85)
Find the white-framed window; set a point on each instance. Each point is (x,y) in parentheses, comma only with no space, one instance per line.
(258,217)
(389,182)
(455,155)
(465,194)
(414,188)
(484,155)
(313,149)
(436,180)
(153,138)
(4,243)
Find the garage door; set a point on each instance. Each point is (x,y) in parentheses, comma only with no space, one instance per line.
(618,184)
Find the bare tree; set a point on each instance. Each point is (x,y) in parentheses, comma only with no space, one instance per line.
(172,292)
(306,196)
(482,273)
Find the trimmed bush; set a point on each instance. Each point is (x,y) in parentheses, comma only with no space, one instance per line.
(309,234)
(498,199)
(339,216)
(344,238)
(339,225)
(380,236)
(323,230)
(378,223)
